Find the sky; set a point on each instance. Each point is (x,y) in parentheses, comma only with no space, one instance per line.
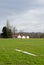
(25,15)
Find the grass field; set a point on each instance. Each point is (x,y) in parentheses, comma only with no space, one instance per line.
(9,56)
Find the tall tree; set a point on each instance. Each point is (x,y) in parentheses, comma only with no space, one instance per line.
(6,33)
(14,30)
(8,24)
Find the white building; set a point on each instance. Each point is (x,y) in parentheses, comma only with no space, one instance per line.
(23,37)
(27,37)
(19,36)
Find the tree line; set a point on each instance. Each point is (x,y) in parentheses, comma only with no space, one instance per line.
(7,32)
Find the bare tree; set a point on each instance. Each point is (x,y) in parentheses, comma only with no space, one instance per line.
(8,24)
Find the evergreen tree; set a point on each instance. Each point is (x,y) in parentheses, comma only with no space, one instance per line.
(6,33)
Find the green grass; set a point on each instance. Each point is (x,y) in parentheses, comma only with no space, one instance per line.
(8,55)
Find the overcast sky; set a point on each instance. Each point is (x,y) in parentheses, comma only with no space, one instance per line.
(26,15)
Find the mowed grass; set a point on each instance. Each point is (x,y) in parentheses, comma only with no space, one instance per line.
(8,55)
